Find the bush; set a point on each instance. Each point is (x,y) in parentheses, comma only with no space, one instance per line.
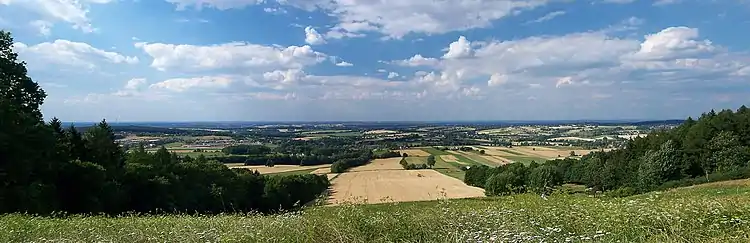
(622,192)
(416,166)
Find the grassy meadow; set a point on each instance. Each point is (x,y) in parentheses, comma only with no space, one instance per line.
(718,212)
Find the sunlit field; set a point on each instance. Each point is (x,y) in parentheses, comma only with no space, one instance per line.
(718,212)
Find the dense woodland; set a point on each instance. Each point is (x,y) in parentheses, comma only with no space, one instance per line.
(45,168)
(305,154)
(714,147)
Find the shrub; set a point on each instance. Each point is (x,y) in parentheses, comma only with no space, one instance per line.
(622,192)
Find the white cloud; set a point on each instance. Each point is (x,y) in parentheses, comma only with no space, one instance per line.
(564,81)
(312,36)
(344,64)
(665,2)
(417,60)
(394,19)
(497,79)
(65,52)
(284,77)
(183,84)
(135,83)
(459,49)
(591,59)
(272,96)
(218,4)
(672,43)
(229,55)
(43,26)
(618,1)
(548,17)
(392,75)
(74,12)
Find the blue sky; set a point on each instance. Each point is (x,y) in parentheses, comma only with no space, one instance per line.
(318,60)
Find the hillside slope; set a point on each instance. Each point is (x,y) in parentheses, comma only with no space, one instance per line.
(717,212)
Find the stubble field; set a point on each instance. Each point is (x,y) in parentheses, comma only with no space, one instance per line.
(278,168)
(384,180)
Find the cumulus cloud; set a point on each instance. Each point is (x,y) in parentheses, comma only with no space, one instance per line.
(284,77)
(417,60)
(393,75)
(312,36)
(673,43)
(183,84)
(497,79)
(73,12)
(592,59)
(65,52)
(459,49)
(229,55)
(135,83)
(344,64)
(394,19)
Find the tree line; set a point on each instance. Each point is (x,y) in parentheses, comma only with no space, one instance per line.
(714,147)
(46,168)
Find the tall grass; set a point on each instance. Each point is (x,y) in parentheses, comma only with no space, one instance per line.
(706,213)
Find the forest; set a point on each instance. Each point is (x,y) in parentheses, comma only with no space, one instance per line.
(45,168)
(714,147)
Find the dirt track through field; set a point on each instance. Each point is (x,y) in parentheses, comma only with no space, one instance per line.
(384,180)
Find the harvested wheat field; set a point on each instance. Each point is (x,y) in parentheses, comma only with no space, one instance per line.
(380,186)
(551,153)
(322,171)
(380,164)
(450,158)
(278,168)
(414,152)
(497,159)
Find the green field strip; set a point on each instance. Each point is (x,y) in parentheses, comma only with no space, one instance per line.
(451,169)
(418,160)
(434,151)
(478,158)
(458,174)
(464,159)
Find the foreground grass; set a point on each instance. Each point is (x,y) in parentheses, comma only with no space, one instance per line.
(708,213)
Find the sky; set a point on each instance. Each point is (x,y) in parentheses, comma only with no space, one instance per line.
(383,60)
